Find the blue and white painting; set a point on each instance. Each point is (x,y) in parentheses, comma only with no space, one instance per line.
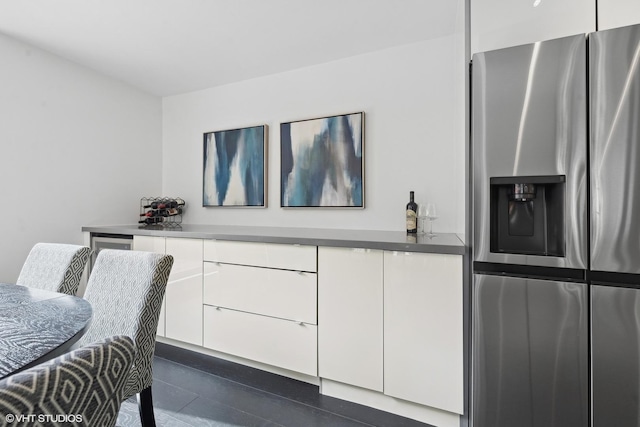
(234,167)
(321,162)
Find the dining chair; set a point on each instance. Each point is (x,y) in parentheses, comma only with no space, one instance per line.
(125,290)
(54,267)
(82,387)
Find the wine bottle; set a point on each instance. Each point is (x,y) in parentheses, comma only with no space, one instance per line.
(162,212)
(165,204)
(151,220)
(412,215)
(174,204)
(156,205)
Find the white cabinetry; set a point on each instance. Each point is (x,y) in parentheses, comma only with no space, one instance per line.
(350,292)
(184,291)
(261,303)
(617,13)
(380,328)
(423,337)
(181,314)
(496,24)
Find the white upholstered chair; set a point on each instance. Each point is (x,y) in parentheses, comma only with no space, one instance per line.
(125,290)
(86,384)
(54,267)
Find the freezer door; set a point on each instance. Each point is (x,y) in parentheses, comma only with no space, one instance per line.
(530,353)
(529,119)
(614,70)
(615,356)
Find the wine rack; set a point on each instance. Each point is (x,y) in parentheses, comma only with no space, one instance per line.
(161,212)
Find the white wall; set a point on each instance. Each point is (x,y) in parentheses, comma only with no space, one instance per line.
(413,99)
(77,149)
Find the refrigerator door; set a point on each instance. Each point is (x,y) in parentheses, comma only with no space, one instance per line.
(530,353)
(615,356)
(529,119)
(614,85)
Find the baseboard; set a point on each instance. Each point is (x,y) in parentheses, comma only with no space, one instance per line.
(373,399)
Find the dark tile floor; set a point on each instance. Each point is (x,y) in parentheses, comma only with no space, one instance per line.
(191,389)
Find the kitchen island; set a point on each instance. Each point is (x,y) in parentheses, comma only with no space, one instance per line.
(373,317)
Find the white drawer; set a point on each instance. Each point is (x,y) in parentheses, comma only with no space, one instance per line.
(288,257)
(279,293)
(276,342)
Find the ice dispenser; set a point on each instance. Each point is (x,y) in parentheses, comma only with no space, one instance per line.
(527,215)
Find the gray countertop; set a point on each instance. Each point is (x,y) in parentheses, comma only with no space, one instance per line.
(445,243)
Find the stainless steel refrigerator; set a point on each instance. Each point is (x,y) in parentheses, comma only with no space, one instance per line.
(530,249)
(614,91)
(556,214)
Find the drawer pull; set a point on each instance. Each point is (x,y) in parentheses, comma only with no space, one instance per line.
(300,323)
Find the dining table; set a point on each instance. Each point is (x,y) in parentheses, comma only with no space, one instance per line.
(37,325)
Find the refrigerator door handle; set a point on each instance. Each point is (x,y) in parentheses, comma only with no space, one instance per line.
(532,271)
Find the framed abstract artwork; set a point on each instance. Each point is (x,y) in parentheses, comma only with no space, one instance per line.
(322,162)
(234,169)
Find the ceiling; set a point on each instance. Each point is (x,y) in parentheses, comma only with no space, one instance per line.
(167,47)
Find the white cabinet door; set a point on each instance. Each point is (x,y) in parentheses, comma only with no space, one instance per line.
(157,245)
(184,291)
(149,244)
(617,13)
(423,339)
(350,305)
(496,24)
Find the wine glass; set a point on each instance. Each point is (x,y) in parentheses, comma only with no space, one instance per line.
(422,218)
(432,214)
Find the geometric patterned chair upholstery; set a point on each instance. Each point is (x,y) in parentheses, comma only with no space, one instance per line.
(54,267)
(84,386)
(125,290)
